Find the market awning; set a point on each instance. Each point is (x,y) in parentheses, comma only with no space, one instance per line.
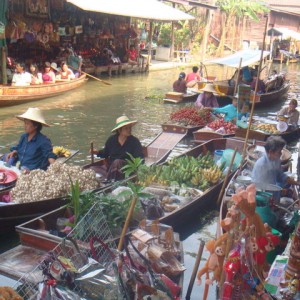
(249,57)
(285,33)
(143,9)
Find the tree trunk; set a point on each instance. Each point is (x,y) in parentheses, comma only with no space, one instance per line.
(208,20)
(226,20)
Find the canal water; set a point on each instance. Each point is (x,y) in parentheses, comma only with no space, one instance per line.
(88,114)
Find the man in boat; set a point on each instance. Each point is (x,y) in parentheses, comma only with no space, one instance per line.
(267,169)
(207,98)
(21,77)
(34,150)
(291,112)
(118,146)
(179,85)
(229,111)
(193,77)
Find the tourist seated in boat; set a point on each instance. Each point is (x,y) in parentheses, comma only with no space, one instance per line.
(36,76)
(207,98)
(74,62)
(65,74)
(48,75)
(118,146)
(229,111)
(179,85)
(291,112)
(193,77)
(21,77)
(267,169)
(261,88)
(132,56)
(34,150)
(55,68)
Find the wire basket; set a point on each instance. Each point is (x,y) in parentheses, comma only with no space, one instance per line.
(92,225)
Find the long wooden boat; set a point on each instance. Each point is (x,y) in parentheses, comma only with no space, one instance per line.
(13,95)
(202,136)
(174,97)
(288,136)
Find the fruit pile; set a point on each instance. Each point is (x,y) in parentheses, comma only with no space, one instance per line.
(229,127)
(267,128)
(61,151)
(191,116)
(187,171)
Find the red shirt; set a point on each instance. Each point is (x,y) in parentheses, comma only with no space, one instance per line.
(193,76)
(132,54)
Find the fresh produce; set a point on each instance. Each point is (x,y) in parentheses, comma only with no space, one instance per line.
(185,171)
(268,128)
(55,182)
(61,151)
(191,116)
(229,127)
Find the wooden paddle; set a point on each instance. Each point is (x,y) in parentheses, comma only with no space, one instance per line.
(195,270)
(92,152)
(87,74)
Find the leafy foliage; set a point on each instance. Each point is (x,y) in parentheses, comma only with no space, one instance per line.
(132,165)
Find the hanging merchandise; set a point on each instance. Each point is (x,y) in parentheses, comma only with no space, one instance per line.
(78,29)
(62,31)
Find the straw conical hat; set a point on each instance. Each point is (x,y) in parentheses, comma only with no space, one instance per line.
(33,114)
(209,87)
(123,121)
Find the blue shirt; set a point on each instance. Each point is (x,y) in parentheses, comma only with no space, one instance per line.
(230,112)
(266,171)
(34,154)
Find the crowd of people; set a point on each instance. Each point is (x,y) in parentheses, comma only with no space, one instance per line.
(69,69)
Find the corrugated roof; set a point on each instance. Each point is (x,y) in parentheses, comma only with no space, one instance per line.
(283,3)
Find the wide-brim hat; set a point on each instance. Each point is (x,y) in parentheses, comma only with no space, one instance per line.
(33,114)
(209,87)
(123,121)
(54,66)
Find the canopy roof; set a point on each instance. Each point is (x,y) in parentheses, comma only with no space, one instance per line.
(285,33)
(143,9)
(249,57)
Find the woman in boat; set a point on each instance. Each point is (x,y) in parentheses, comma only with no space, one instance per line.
(179,85)
(34,150)
(291,112)
(261,87)
(65,74)
(36,76)
(21,77)
(207,98)
(229,111)
(267,169)
(118,146)
(193,78)
(48,75)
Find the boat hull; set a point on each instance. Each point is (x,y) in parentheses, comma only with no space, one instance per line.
(14,95)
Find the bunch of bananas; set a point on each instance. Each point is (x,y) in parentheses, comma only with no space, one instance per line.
(205,161)
(268,128)
(212,175)
(60,151)
(199,181)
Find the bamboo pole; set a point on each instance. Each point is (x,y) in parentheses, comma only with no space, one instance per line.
(3,59)
(195,270)
(255,90)
(238,76)
(150,46)
(126,225)
(92,152)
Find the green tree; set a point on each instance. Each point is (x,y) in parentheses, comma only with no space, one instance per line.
(232,11)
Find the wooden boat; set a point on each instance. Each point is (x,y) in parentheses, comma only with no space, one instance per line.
(288,136)
(201,136)
(174,97)
(175,128)
(13,95)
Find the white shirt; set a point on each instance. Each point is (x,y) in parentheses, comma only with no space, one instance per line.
(21,79)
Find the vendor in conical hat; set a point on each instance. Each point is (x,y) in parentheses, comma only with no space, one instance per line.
(207,97)
(118,146)
(34,150)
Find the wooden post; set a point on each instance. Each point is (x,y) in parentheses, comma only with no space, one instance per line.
(238,76)
(150,46)
(255,90)
(3,61)
(172,38)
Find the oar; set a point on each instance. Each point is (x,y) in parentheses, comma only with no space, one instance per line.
(92,152)
(194,273)
(87,74)
(126,225)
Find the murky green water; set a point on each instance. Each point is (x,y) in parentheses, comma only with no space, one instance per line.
(88,114)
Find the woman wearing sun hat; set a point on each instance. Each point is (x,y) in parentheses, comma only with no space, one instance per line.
(118,146)
(34,150)
(207,98)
